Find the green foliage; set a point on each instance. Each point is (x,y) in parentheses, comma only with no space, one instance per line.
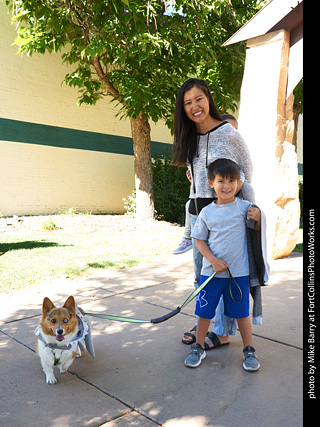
(130,204)
(49,225)
(298,96)
(171,189)
(301,195)
(139,52)
(68,211)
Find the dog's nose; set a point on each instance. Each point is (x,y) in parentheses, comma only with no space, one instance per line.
(60,331)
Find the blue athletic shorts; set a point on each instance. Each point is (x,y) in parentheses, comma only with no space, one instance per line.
(208,299)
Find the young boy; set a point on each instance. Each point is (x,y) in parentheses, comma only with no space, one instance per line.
(220,233)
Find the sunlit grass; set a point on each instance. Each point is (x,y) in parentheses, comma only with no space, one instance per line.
(31,258)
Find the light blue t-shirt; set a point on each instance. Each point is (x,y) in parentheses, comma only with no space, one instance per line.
(223,227)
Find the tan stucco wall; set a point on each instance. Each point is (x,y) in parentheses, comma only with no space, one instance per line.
(39,179)
(44,180)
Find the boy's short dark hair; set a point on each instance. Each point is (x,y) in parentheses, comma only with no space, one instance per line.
(228,116)
(224,167)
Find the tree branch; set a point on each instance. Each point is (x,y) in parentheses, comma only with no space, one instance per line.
(108,85)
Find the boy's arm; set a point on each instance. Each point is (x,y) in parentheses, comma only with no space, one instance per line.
(255,214)
(218,265)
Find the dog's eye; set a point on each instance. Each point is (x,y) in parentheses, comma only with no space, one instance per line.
(65,320)
(53,321)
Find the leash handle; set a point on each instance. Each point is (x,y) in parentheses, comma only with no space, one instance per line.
(231,278)
(166,316)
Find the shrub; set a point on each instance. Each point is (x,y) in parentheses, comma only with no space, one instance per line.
(301,198)
(171,188)
(130,204)
(49,225)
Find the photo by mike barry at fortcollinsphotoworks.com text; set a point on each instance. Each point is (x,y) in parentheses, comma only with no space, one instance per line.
(310,310)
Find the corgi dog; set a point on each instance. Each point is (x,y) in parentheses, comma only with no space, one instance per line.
(60,334)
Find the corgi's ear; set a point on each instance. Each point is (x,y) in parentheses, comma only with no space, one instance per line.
(47,305)
(70,304)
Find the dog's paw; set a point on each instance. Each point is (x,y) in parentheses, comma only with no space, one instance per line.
(51,379)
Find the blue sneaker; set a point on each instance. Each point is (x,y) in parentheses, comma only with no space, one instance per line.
(250,360)
(195,357)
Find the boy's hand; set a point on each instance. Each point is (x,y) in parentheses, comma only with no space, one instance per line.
(255,214)
(219,265)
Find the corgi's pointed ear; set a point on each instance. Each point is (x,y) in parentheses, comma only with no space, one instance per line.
(47,305)
(70,304)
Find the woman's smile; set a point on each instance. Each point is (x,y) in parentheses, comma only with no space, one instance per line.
(197,108)
(196,105)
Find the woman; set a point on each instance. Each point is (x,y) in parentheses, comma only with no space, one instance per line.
(201,137)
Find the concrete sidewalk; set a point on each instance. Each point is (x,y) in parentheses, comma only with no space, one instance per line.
(138,377)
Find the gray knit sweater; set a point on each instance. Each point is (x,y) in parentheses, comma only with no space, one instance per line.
(225,142)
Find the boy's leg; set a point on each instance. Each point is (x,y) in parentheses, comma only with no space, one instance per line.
(245,331)
(202,329)
(250,360)
(198,353)
(206,304)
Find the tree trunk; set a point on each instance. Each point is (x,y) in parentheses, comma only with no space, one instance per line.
(140,129)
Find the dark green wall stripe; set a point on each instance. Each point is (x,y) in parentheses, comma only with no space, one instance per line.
(52,136)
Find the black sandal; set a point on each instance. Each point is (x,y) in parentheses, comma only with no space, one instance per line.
(215,341)
(189,334)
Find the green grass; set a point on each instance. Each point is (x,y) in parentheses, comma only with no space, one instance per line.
(28,259)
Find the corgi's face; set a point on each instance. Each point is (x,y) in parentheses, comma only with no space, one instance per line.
(59,322)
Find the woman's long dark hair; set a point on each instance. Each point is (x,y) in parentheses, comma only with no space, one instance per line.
(184,129)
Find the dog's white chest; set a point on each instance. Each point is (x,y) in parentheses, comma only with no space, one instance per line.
(55,357)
